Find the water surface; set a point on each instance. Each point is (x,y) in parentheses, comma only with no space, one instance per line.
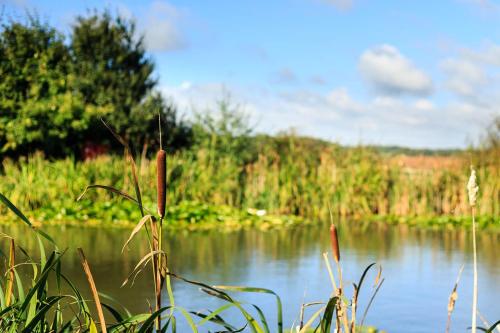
(419,266)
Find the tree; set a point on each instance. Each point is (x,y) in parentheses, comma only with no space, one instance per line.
(38,109)
(226,130)
(143,124)
(54,94)
(112,68)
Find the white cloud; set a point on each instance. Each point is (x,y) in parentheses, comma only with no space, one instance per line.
(474,74)
(159,22)
(341,100)
(424,105)
(390,72)
(160,26)
(488,54)
(463,77)
(337,115)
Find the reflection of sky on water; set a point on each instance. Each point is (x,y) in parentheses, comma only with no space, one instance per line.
(420,267)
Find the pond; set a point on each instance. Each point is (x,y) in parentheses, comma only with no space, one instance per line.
(420,268)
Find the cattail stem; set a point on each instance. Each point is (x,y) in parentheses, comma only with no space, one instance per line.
(453,299)
(473,189)
(474,293)
(156,270)
(10,277)
(159,263)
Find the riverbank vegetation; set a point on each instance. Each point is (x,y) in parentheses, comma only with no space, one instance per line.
(285,178)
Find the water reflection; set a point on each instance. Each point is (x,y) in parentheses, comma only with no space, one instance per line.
(420,266)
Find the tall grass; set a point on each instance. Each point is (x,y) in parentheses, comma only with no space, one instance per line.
(288,177)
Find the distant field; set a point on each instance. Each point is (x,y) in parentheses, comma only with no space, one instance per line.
(428,162)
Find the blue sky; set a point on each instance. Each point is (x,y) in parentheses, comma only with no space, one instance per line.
(410,73)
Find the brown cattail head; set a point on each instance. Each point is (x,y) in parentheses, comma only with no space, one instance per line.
(161,177)
(335,242)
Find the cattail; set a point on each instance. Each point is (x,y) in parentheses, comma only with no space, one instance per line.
(161,169)
(335,242)
(472,188)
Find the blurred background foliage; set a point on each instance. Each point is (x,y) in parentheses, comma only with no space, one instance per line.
(55,88)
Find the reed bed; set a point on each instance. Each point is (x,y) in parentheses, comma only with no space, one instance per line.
(290,179)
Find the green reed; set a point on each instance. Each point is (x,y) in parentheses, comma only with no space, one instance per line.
(289,179)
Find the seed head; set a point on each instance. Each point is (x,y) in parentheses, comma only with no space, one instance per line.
(335,242)
(161,169)
(472,187)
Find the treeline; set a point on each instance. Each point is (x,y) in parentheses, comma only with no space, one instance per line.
(56,87)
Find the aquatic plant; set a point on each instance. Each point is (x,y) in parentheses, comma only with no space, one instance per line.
(287,176)
(472,189)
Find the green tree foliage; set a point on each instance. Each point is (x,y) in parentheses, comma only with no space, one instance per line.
(38,109)
(54,93)
(143,124)
(112,67)
(225,131)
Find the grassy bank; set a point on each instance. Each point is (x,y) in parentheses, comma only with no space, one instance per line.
(280,182)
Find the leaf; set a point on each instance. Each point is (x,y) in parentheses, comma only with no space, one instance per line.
(189,319)
(379,275)
(112,299)
(93,289)
(127,322)
(326,322)
(260,290)
(214,317)
(38,318)
(137,229)
(371,301)
(311,320)
(93,328)
(19,214)
(262,318)
(143,262)
(150,320)
(41,283)
(132,165)
(108,188)
(113,312)
(492,327)
(254,326)
(358,286)
(14,209)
